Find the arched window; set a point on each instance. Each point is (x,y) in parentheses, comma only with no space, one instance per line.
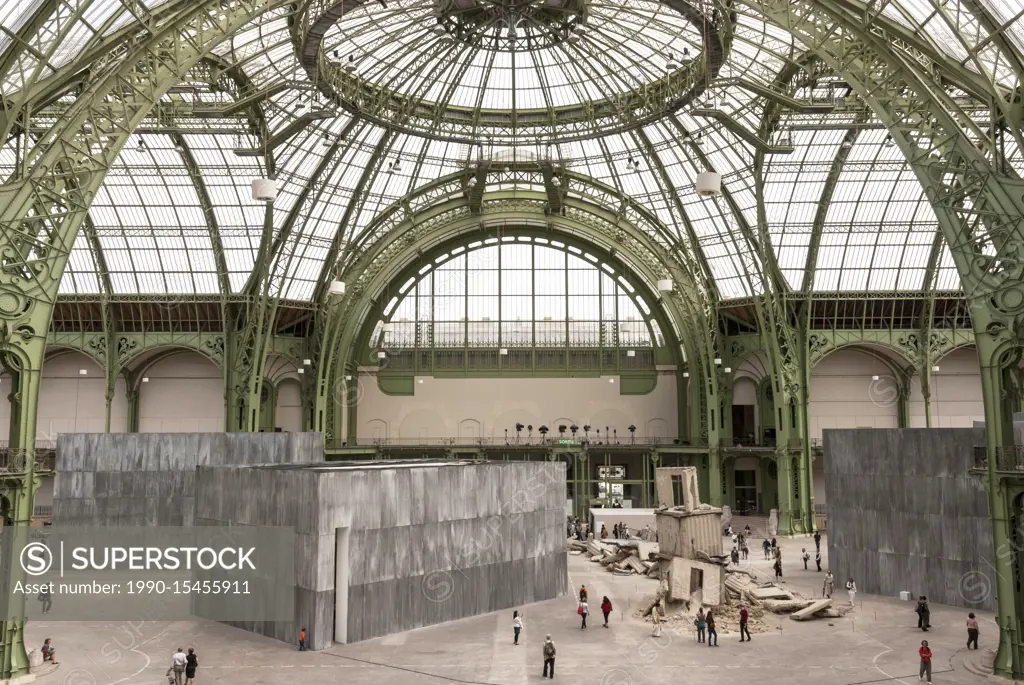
(517,292)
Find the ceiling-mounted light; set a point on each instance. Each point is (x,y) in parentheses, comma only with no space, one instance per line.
(686,55)
(889,142)
(382,355)
(145,379)
(300,371)
(142,146)
(718,361)
(439,29)
(264,189)
(336,288)
(846,145)
(935,368)
(307,362)
(336,55)
(350,65)
(728,369)
(326,142)
(503,351)
(698,139)
(671,64)
(472,181)
(666,285)
(686,374)
(387,328)
(709,184)
(178,146)
(630,353)
(83,372)
(874,378)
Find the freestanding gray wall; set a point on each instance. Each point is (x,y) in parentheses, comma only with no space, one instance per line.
(428,542)
(149,479)
(905,514)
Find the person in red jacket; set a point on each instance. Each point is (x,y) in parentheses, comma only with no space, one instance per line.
(926,660)
(606,608)
(743,623)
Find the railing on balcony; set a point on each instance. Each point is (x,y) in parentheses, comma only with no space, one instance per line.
(13,460)
(522,441)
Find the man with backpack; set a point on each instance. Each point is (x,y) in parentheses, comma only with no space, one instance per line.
(549,657)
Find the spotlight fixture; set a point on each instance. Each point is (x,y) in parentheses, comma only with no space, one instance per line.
(383,3)
(562,428)
(718,361)
(83,372)
(145,379)
(326,142)
(846,145)
(178,146)
(728,369)
(307,362)
(874,378)
(935,368)
(337,288)
(438,29)
(382,355)
(686,374)
(889,142)
(300,371)
(686,55)
(698,139)
(573,428)
(142,146)
(671,64)
(350,66)
(336,55)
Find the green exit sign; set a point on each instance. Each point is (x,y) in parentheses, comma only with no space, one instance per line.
(568,441)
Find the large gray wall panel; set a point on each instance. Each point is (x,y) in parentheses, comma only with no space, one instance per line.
(149,479)
(428,542)
(905,514)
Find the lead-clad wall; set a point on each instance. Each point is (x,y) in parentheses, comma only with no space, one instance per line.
(428,542)
(904,513)
(148,479)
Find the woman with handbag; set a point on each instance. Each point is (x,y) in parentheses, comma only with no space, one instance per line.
(583,611)
(701,625)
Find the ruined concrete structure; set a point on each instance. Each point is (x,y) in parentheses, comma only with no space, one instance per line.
(691,533)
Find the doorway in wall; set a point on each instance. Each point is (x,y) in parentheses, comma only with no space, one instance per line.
(746,491)
(744,431)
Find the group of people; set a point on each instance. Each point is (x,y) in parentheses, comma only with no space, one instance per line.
(183,667)
(620,531)
(576,530)
(583,608)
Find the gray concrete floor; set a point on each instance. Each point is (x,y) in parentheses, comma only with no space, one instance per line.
(877,643)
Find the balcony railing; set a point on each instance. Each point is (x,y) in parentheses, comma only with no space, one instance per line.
(513,442)
(1007,458)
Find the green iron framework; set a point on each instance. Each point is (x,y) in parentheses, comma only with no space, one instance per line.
(73,120)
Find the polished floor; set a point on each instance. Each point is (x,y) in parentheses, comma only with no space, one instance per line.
(877,643)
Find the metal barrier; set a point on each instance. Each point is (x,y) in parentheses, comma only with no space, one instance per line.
(1008,458)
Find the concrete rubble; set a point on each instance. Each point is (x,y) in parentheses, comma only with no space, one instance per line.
(742,586)
(621,557)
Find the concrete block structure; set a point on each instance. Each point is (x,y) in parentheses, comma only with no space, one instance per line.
(149,479)
(904,513)
(390,546)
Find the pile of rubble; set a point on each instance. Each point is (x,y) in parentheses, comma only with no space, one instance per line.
(621,557)
(743,586)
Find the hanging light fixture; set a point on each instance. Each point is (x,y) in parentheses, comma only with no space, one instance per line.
(264,189)
(889,142)
(671,64)
(142,146)
(709,184)
(686,56)
(351,66)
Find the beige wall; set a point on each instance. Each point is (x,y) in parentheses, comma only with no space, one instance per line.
(844,395)
(185,393)
(956,393)
(471,407)
(68,401)
(289,406)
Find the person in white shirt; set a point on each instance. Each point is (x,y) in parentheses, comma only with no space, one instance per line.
(517,626)
(851,588)
(178,663)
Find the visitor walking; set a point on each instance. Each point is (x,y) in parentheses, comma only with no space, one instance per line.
(604,532)
(830,585)
(972,630)
(549,657)
(191,664)
(46,598)
(924,614)
(701,624)
(746,530)
(517,626)
(926,661)
(178,663)
(817,559)
(735,556)
(583,593)
(744,549)
(851,589)
(583,611)
(805,556)
(302,640)
(606,608)
(743,623)
(817,540)
(778,568)
(775,545)
(656,618)
(709,618)
(766,546)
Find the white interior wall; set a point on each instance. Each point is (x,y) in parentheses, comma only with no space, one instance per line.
(956,392)
(843,393)
(288,416)
(473,407)
(70,402)
(185,393)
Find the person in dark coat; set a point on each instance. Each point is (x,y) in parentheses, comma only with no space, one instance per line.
(924,614)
